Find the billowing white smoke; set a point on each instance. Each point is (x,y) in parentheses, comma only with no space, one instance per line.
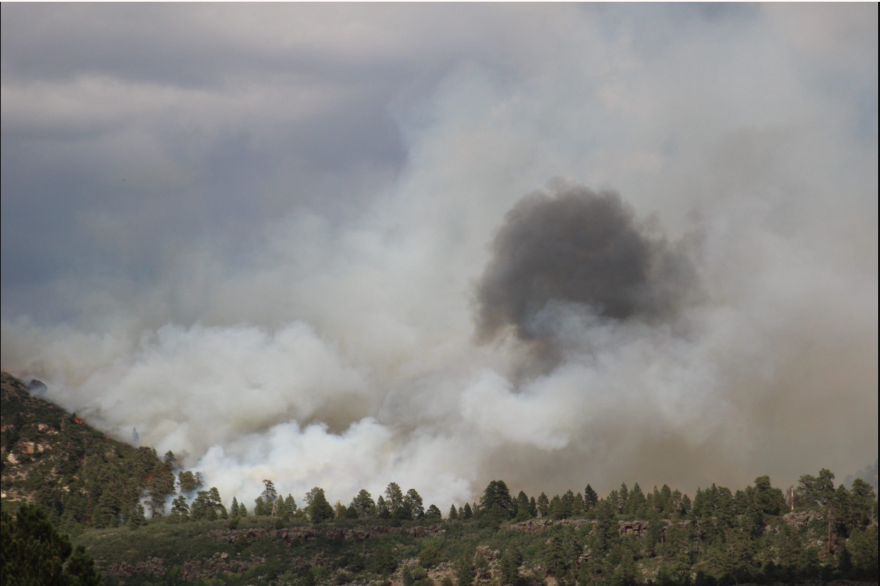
(344,355)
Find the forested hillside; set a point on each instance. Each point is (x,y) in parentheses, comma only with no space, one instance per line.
(89,486)
(77,475)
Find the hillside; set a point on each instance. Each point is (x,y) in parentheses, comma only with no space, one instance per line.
(89,484)
(542,552)
(79,476)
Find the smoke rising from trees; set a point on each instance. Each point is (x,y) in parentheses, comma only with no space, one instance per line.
(268,297)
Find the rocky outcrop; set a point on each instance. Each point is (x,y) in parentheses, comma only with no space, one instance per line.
(298,535)
(152,567)
(637,528)
(219,563)
(538,525)
(803,519)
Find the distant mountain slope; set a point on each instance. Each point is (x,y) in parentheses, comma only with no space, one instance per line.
(79,476)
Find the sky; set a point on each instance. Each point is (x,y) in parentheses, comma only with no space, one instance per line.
(440,244)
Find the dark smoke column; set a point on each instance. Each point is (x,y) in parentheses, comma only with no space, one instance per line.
(575,245)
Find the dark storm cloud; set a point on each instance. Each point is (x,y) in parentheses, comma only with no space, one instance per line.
(579,246)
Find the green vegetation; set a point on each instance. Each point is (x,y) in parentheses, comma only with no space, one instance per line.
(35,554)
(78,476)
(724,538)
(93,489)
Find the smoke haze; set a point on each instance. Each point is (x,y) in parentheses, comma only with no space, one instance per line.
(323,260)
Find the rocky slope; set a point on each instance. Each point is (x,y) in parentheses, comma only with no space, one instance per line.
(57,460)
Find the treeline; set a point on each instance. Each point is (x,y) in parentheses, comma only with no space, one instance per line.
(207,505)
(722,537)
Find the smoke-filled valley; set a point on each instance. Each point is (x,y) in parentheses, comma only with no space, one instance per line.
(594,254)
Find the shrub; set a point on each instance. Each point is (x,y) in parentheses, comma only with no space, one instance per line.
(429,557)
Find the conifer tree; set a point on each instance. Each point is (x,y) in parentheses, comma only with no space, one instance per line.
(862,499)
(543,505)
(497,493)
(453,513)
(614,500)
(136,517)
(179,510)
(269,494)
(382,511)
(413,504)
(635,504)
(233,509)
(364,505)
(33,552)
(393,498)
(578,508)
(467,512)
(510,563)
(465,571)
(319,509)
(591,499)
(623,495)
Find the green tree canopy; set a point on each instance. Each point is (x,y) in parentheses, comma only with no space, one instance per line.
(35,554)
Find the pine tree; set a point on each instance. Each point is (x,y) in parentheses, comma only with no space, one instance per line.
(202,508)
(510,563)
(862,500)
(136,517)
(579,508)
(684,509)
(269,494)
(497,493)
(467,512)
(382,511)
(465,571)
(319,509)
(591,499)
(179,510)
(636,501)
(393,498)
(543,505)
(364,505)
(33,552)
(433,513)
(453,513)
(623,496)
(413,505)
(233,509)
(522,502)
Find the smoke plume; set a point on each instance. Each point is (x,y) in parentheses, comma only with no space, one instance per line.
(581,247)
(315,259)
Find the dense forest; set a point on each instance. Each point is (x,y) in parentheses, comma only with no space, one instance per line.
(94,489)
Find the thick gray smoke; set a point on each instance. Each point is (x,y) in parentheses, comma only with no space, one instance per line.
(578,246)
(220,254)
